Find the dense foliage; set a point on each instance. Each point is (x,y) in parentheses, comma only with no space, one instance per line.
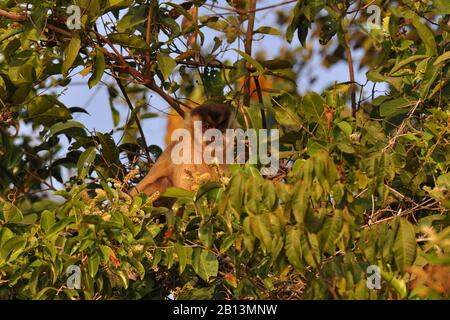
(364,173)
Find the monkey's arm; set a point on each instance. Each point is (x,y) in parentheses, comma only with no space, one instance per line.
(158,177)
(159,185)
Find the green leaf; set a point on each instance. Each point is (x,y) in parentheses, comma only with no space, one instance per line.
(345,147)
(268,30)
(138,266)
(398,284)
(285,110)
(302,31)
(293,247)
(219,25)
(252,195)
(388,241)
(295,21)
(206,188)
(12,248)
(426,35)
(184,256)
(313,106)
(345,127)
(93,263)
(252,61)
(85,161)
(58,127)
(58,227)
(442,58)
(174,192)
(405,246)
(22,74)
(99,68)
(392,108)
(213,82)
(45,293)
(276,64)
(227,243)
(166,64)
(300,201)
(40,105)
(5,235)
(430,76)
(375,76)
(314,7)
(11,213)
(205,234)
(71,53)
(311,248)
(109,148)
(329,234)
(236,192)
(205,264)
(128,40)
(443,181)
(269,197)
(443,6)
(261,228)
(135,16)
(47,220)
(407,61)
(116,4)
(172,26)
(124,278)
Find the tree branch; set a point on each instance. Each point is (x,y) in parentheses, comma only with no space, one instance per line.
(19,17)
(248,46)
(23,17)
(116,57)
(351,70)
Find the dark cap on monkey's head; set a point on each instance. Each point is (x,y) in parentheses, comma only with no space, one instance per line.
(213,114)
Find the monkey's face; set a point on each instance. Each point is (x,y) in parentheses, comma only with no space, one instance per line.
(213,116)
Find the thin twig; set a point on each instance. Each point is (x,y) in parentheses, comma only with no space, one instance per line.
(171,101)
(400,129)
(149,33)
(421,206)
(136,118)
(19,17)
(261,102)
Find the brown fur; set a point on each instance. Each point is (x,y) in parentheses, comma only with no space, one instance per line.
(165,173)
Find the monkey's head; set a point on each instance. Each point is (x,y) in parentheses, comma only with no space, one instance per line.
(213,115)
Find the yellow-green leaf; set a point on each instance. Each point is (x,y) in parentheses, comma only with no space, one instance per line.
(405,245)
(71,53)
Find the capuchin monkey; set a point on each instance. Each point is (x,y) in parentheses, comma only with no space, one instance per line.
(165,173)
